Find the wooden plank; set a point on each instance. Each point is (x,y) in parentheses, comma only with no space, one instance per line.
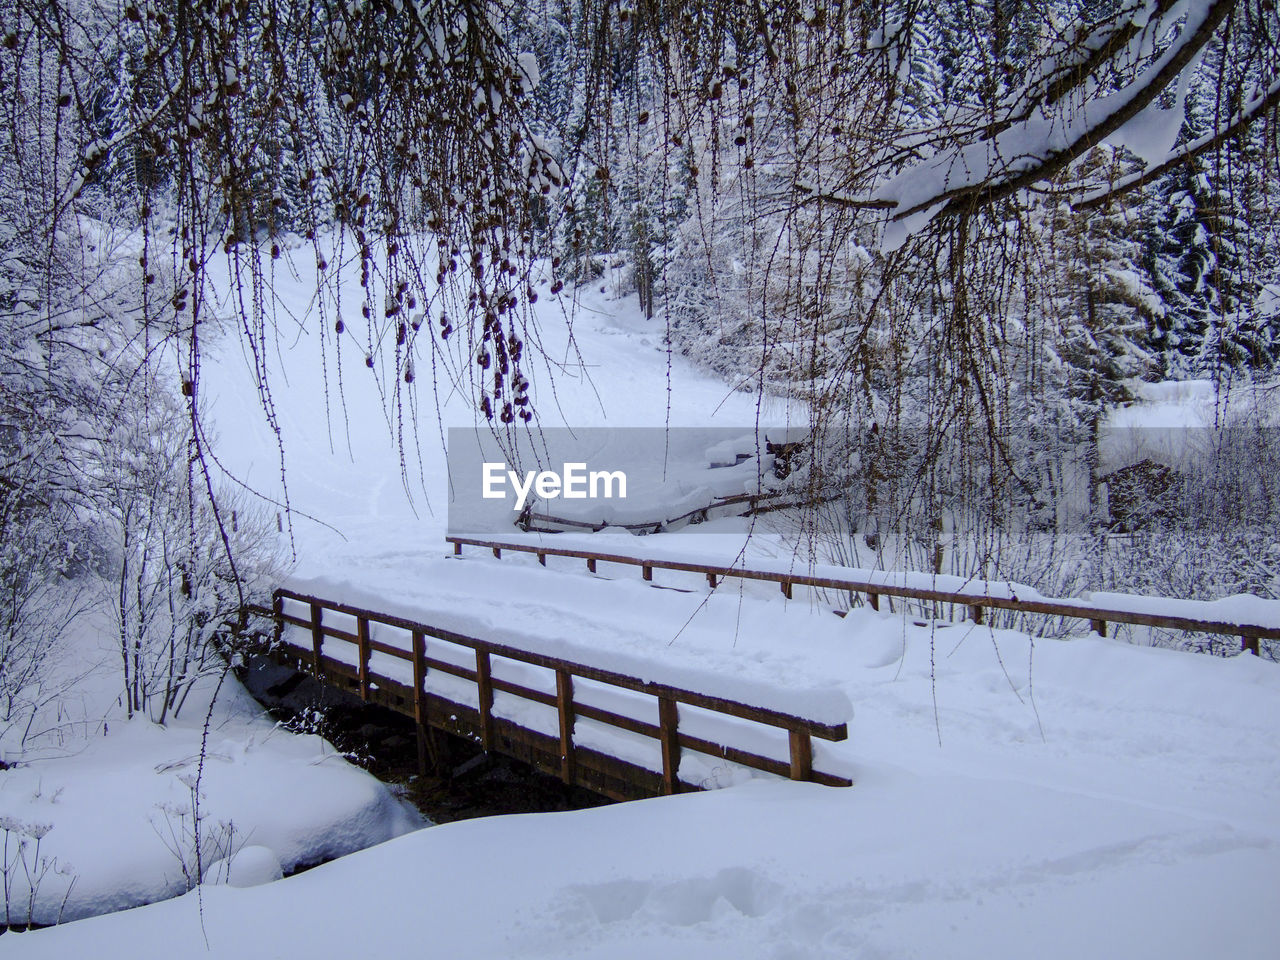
(317,637)
(444,666)
(362,631)
(525,693)
(420,719)
(746,758)
(801,756)
(596,771)
(619,720)
(377,646)
(564,707)
(668,721)
(484,682)
(277,611)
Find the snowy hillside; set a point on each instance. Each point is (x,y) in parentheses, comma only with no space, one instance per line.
(1075,798)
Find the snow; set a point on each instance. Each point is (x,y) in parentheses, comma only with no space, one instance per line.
(1012,797)
(1142,824)
(1071,124)
(247,867)
(553,615)
(1173,421)
(120,806)
(531,77)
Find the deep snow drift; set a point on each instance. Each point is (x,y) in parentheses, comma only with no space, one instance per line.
(1012,798)
(116,802)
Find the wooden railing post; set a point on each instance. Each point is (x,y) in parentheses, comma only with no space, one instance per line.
(668,721)
(646,571)
(786,589)
(484,683)
(277,611)
(711,580)
(591,564)
(1099,627)
(801,755)
(874,600)
(497,553)
(542,558)
(317,638)
(1249,644)
(975,613)
(362,646)
(420,697)
(564,705)
(457,549)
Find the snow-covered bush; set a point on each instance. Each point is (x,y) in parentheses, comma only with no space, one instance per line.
(180,565)
(40,547)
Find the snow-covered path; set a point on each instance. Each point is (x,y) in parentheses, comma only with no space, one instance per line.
(1067,799)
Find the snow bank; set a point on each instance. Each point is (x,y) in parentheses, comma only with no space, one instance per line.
(921,865)
(120,810)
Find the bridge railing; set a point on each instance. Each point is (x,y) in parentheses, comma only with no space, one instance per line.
(421,659)
(977,595)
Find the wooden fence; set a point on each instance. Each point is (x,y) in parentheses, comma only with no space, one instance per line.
(976,601)
(558,754)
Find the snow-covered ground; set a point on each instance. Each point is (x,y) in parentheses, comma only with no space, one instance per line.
(1172,422)
(1077,798)
(113,802)
(120,809)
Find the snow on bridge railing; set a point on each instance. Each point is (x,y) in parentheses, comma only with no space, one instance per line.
(430,707)
(1245,616)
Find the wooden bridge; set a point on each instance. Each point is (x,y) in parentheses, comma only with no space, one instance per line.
(975,595)
(592,726)
(569,719)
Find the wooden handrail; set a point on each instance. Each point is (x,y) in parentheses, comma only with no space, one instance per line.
(1249,633)
(800,730)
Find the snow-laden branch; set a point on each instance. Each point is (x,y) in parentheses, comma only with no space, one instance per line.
(1052,121)
(1250,112)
